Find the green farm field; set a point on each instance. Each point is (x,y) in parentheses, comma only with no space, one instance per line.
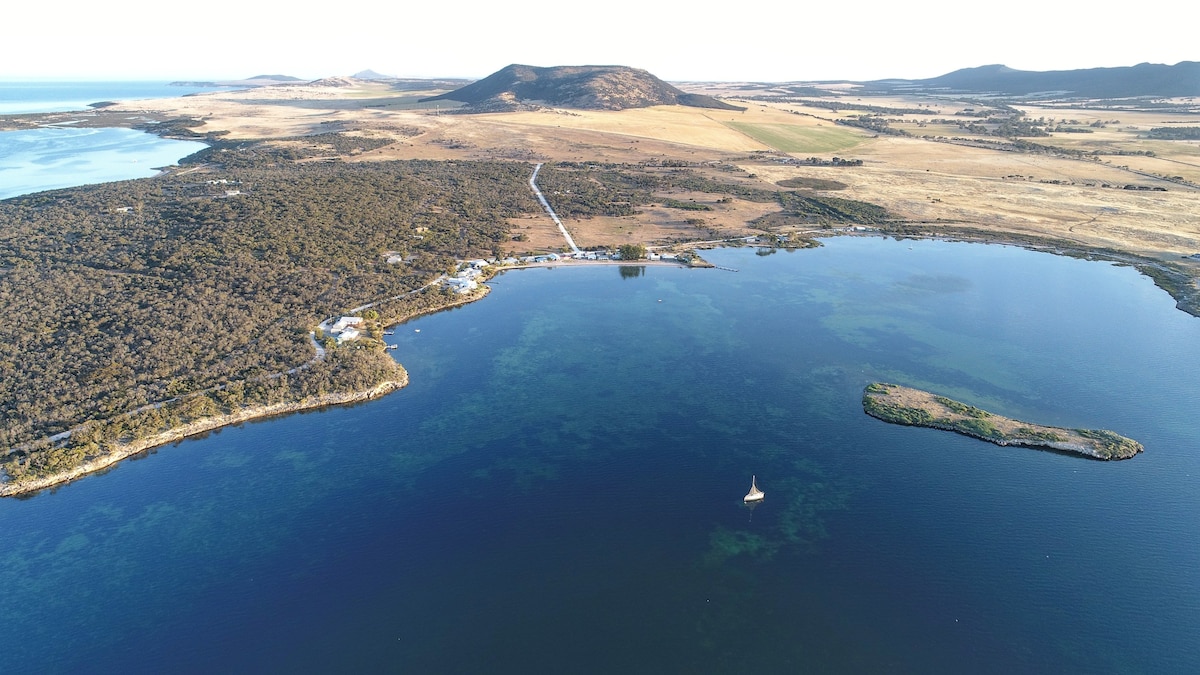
(800,139)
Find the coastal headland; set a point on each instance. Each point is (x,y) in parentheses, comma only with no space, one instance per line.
(913,407)
(121,450)
(359,190)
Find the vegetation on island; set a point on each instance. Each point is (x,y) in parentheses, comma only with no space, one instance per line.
(913,407)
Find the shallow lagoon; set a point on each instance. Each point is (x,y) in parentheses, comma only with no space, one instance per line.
(560,488)
(34,96)
(48,158)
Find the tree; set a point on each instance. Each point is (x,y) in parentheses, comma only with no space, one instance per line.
(632,251)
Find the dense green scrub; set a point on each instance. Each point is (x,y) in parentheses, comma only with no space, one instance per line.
(581,190)
(128,294)
(912,407)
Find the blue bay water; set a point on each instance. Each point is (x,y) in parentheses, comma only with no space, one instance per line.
(559,489)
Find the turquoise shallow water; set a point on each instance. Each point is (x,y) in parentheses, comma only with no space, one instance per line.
(49,158)
(559,489)
(31,96)
(34,160)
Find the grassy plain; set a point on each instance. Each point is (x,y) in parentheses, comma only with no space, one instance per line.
(801,139)
(922,179)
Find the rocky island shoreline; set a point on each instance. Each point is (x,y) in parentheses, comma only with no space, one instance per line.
(912,407)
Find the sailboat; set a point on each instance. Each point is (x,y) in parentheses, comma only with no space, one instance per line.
(754,495)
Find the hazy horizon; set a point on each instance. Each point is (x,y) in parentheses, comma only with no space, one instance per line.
(139,41)
(305,77)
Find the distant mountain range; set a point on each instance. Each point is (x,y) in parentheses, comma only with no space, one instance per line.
(1144,79)
(519,87)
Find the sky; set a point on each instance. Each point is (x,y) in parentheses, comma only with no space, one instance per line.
(677,41)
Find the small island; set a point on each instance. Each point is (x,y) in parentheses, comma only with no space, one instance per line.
(904,405)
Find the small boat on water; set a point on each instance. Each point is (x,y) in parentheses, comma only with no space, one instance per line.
(754,495)
(389,332)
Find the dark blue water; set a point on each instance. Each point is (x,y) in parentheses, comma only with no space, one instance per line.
(559,489)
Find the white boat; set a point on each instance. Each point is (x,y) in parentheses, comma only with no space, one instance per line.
(754,495)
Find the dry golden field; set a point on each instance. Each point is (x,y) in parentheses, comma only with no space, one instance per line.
(935,183)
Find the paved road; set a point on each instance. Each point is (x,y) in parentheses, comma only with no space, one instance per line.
(546,205)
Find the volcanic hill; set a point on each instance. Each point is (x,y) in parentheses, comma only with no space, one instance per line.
(519,87)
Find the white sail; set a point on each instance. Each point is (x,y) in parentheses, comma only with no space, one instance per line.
(755,495)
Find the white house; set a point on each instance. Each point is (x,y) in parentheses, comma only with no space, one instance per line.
(344,323)
(460,285)
(345,328)
(347,334)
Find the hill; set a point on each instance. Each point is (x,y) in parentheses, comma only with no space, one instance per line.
(275,78)
(519,87)
(1144,79)
(369,74)
(334,82)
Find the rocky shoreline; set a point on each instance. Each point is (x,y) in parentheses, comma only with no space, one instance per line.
(912,407)
(14,488)
(200,426)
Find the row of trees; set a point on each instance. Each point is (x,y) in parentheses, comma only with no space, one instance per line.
(1175,133)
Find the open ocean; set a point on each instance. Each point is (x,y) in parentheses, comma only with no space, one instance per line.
(559,489)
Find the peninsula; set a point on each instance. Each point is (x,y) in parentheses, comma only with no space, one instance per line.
(904,405)
(318,198)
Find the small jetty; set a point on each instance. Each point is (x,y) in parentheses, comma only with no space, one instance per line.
(754,495)
(912,407)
